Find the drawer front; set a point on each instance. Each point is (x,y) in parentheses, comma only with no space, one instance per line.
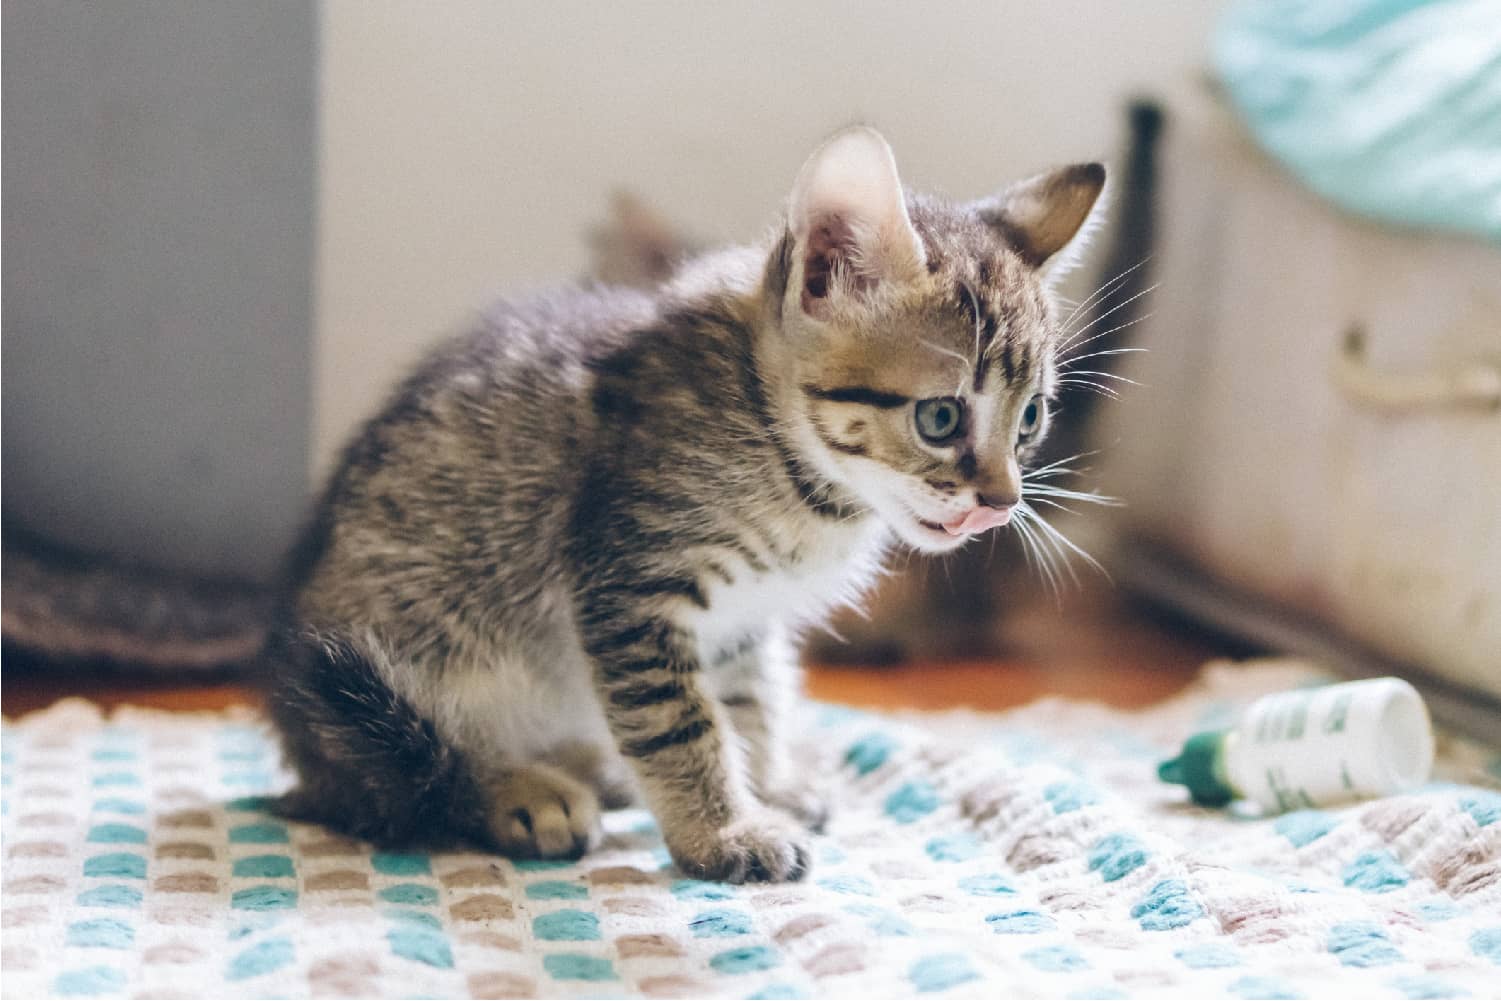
(1417,548)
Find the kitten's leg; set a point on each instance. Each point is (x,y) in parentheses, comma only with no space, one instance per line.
(689,766)
(758,685)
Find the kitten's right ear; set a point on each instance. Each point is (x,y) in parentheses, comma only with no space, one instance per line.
(848,219)
(1047,219)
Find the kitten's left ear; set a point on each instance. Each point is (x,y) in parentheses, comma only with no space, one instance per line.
(848,218)
(1047,219)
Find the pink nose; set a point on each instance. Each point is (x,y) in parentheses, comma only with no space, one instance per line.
(981,519)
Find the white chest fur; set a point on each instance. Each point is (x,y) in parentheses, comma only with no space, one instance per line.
(832,565)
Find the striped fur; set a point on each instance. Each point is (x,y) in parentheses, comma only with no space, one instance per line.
(570,553)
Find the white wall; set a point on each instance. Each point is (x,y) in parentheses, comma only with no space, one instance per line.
(468,145)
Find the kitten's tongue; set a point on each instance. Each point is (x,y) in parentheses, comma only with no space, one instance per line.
(981,519)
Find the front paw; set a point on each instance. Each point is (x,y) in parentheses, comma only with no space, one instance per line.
(762,847)
(803,801)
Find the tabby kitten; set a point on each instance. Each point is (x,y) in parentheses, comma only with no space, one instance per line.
(564,564)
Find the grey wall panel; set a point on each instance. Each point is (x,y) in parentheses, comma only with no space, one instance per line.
(159,181)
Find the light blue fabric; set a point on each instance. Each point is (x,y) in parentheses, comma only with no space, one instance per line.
(1390,108)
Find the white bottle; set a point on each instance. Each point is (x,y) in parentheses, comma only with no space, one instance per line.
(1312,747)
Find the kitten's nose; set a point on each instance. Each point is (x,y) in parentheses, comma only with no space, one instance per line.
(999,485)
(1001,501)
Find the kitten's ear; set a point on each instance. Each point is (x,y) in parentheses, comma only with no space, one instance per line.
(848,219)
(1047,219)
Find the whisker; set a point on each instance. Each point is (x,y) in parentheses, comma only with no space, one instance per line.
(1104,286)
(1060,462)
(1117,307)
(1046,557)
(1042,477)
(1092,387)
(1054,505)
(974,309)
(1104,333)
(1083,496)
(1059,538)
(1104,375)
(1055,556)
(1068,363)
(943,350)
(1044,564)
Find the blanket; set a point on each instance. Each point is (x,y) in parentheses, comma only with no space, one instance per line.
(1031,853)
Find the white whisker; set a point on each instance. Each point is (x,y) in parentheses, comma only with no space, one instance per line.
(1041,477)
(1056,464)
(1105,333)
(1062,493)
(974,308)
(1105,288)
(1092,387)
(1103,375)
(1074,336)
(1061,539)
(1048,544)
(1108,352)
(943,350)
(1054,505)
(1044,563)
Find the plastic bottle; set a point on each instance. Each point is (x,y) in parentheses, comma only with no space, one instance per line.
(1312,747)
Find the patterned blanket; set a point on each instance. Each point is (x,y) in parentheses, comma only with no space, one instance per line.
(1027,854)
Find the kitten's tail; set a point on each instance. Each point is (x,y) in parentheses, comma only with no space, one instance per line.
(72,610)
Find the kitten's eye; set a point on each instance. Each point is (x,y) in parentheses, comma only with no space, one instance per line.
(1032,415)
(939,418)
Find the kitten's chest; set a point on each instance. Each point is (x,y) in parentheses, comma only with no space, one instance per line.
(822,570)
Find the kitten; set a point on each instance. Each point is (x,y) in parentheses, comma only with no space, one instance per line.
(956,605)
(564,565)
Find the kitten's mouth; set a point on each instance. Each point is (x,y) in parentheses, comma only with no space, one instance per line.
(981,519)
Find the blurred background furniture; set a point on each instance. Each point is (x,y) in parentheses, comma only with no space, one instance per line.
(1313,460)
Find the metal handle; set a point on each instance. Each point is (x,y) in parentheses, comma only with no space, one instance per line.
(1477,386)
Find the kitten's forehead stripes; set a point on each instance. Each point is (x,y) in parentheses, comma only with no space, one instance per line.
(988,324)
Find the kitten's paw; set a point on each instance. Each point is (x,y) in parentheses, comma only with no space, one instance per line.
(540,812)
(764,847)
(804,802)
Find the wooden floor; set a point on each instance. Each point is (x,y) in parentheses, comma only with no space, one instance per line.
(1096,646)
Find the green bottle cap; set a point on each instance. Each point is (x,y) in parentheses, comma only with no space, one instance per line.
(1199,767)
